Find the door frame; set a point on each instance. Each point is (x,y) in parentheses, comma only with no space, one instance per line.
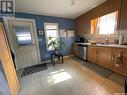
(6,19)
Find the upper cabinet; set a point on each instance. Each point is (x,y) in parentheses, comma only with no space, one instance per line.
(123,15)
(83,24)
(79,25)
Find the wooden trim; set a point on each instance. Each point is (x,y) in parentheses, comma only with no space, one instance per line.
(8,65)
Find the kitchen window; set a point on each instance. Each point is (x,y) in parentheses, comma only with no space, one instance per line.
(104,25)
(51,30)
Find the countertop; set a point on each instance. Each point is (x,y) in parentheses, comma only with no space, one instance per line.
(102,45)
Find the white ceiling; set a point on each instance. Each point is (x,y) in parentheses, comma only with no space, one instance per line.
(59,8)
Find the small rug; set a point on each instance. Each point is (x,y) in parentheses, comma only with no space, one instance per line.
(103,72)
(33,69)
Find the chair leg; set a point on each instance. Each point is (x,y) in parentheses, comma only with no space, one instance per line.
(62,58)
(51,58)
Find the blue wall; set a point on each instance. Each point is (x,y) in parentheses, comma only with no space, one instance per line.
(63,24)
(4,88)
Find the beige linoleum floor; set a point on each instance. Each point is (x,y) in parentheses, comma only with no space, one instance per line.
(70,78)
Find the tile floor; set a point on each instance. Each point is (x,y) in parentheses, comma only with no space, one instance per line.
(70,78)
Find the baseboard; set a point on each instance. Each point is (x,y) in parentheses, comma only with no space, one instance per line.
(68,56)
(63,57)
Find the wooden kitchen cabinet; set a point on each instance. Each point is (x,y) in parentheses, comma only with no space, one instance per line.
(75,49)
(109,57)
(107,7)
(100,56)
(79,26)
(123,15)
(104,57)
(83,24)
(92,54)
(119,61)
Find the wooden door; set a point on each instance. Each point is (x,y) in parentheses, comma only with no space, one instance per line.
(23,40)
(92,54)
(7,63)
(104,57)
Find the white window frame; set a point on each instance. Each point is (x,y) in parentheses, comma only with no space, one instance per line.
(46,23)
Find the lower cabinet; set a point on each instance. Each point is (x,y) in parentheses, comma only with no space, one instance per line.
(92,54)
(75,49)
(104,57)
(99,55)
(109,57)
(119,61)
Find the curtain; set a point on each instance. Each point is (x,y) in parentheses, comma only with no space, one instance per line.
(107,24)
(104,25)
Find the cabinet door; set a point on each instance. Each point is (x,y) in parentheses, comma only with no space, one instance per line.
(79,26)
(7,63)
(92,54)
(83,24)
(124,62)
(87,23)
(114,62)
(104,57)
(119,59)
(75,49)
(123,15)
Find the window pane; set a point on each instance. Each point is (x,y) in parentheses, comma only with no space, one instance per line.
(51,30)
(23,35)
(52,33)
(107,24)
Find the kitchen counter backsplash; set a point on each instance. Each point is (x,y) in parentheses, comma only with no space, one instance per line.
(113,39)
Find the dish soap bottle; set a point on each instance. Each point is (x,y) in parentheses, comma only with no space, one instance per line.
(121,39)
